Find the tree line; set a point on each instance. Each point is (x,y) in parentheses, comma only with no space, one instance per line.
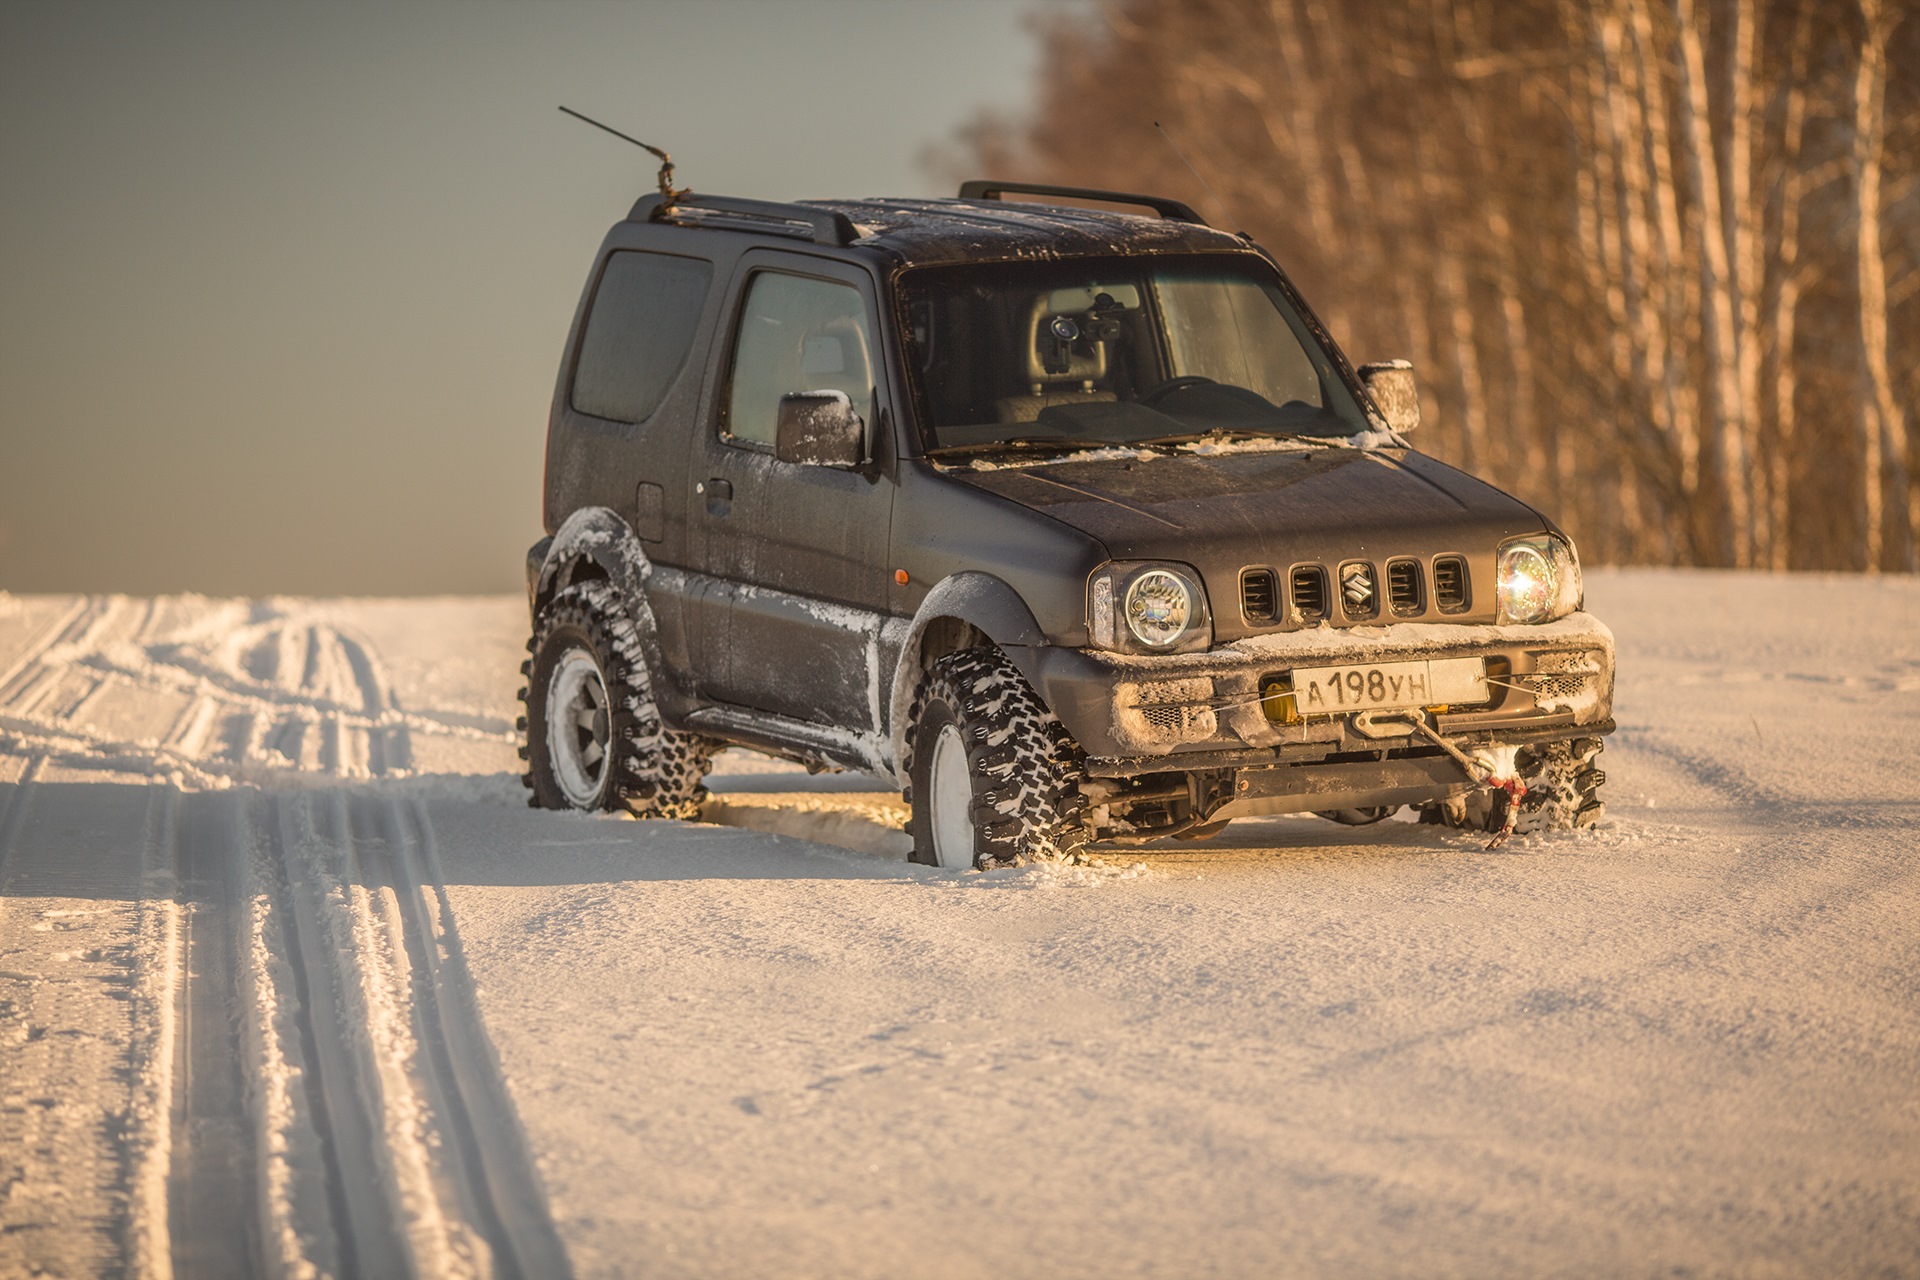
(1657,262)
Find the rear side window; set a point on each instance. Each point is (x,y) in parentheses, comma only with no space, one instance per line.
(639,331)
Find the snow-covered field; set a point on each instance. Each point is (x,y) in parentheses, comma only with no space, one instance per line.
(291,982)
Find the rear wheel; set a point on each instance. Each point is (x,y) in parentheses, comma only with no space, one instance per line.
(994,777)
(594,738)
(1563,786)
(1359,817)
(1563,793)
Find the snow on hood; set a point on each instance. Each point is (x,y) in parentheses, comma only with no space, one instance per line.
(1279,503)
(1375,439)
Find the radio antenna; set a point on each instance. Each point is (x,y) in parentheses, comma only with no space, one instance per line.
(1183,160)
(667,194)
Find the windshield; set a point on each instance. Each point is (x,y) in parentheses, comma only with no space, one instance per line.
(1120,352)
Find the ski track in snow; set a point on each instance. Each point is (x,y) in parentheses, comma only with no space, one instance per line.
(355,1125)
(236,1025)
(214,692)
(291,983)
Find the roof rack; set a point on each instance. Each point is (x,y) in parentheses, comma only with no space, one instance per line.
(1174,210)
(767,217)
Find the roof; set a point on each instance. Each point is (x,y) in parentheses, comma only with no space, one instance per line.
(929,232)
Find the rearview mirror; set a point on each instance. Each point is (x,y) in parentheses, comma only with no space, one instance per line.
(819,429)
(1390,383)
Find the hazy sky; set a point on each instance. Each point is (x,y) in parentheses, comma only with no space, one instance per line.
(283,288)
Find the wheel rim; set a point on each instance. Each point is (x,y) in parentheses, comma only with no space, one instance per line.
(579,727)
(950,782)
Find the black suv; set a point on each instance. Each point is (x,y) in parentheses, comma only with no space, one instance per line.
(1075,524)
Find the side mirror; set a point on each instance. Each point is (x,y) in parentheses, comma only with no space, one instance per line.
(1390,383)
(819,429)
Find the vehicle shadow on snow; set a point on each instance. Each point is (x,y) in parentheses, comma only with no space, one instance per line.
(84,840)
(97,840)
(850,810)
(795,834)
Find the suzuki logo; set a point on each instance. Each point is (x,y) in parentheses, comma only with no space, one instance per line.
(1356,587)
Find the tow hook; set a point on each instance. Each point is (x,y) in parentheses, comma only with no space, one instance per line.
(1515,789)
(1493,768)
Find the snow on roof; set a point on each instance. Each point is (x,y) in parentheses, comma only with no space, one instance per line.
(947,230)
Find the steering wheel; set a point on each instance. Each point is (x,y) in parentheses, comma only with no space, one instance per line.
(1173,386)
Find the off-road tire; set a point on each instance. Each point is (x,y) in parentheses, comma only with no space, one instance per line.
(1563,792)
(1024,765)
(649,770)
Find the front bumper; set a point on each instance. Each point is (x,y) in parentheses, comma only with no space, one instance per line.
(1136,715)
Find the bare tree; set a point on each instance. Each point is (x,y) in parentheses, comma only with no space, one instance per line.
(1653,258)
(1883,442)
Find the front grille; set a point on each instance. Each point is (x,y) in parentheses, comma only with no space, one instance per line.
(1310,601)
(1403,586)
(1450,584)
(1359,593)
(1257,595)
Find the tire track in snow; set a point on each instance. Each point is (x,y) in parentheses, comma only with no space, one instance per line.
(503,1186)
(1774,884)
(309,1087)
(340,1101)
(386,1142)
(31,654)
(151,1058)
(212,1204)
(1775,806)
(296,1176)
(229,697)
(16,814)
(318,700)
(89,939)
(28,675)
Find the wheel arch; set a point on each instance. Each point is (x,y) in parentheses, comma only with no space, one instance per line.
(961,612)
(595,543)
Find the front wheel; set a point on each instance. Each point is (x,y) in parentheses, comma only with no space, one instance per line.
(994,777)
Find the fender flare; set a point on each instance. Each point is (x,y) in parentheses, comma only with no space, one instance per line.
(597,536)
(981,601)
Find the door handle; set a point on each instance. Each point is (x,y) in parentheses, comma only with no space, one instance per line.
(719,495)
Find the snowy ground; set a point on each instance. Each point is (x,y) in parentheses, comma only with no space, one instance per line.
(292,983)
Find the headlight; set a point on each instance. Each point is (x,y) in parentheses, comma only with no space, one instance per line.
(1148,608)
(1538,580)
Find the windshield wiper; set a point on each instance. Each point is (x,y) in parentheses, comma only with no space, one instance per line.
(1219,435)
(1026,442)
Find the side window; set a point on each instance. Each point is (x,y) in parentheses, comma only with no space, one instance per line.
(638,333)
(797,334)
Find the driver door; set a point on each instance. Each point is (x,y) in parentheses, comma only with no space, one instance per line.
(800,550)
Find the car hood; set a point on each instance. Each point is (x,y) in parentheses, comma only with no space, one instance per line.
(1227,511)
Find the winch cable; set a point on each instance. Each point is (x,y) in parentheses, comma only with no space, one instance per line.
(1479,771)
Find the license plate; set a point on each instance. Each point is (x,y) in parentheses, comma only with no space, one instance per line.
(1377,686)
